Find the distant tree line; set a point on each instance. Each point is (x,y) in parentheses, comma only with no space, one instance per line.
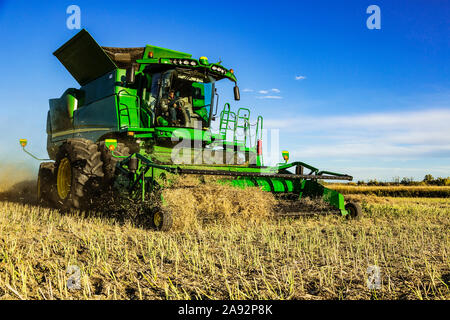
(428,180)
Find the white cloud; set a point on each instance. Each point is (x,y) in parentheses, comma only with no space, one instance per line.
(401,135)
(365,149)
(270,97)
(300,77)
(275,90)
(392,120)
(263,91)
(247,90)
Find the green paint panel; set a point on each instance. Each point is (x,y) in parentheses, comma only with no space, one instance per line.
(159,52)
(274,185)
(128,108)
(102,87)
(101,113)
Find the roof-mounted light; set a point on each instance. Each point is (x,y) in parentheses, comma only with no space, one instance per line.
(219,69)
(185,62)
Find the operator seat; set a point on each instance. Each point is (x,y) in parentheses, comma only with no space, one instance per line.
(190,114)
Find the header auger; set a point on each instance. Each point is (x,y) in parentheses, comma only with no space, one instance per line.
(144,114)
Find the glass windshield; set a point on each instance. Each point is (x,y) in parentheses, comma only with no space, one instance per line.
(184,98)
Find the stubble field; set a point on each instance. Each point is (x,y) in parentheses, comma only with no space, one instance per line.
(316,256)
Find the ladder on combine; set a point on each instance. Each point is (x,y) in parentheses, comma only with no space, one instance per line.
(227,117)
(240,125)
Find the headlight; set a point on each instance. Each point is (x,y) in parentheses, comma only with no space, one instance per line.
(183,62)
(219,69)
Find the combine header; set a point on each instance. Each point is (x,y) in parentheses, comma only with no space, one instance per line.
(143,115)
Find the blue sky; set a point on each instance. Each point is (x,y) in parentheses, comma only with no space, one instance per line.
(370,103)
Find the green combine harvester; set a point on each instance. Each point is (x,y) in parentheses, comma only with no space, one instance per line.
(144,114)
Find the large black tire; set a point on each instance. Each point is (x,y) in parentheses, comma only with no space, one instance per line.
(161,219)
(354,209)
(46,184)
(78,173)
(110,162)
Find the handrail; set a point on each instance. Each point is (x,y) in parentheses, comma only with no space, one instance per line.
(222,115)
(224,123)
(127,108)
(259,128)
(245,126)
(240,121)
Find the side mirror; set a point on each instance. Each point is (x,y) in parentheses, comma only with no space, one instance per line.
(131,74)
(237,95)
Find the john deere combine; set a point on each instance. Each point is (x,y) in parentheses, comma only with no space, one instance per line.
(144,114)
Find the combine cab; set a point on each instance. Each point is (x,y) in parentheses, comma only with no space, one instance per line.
(143,114)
